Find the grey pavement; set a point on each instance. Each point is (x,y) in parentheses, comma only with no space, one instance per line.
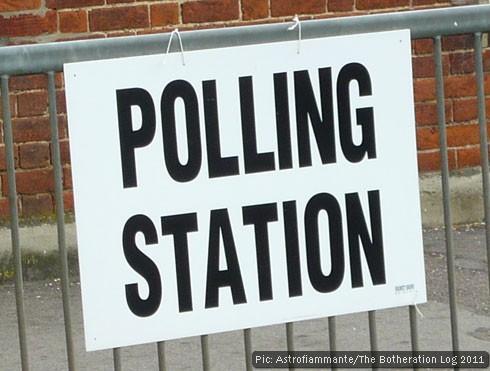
(45,330)
(47,349)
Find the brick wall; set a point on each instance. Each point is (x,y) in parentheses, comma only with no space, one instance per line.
(39,21)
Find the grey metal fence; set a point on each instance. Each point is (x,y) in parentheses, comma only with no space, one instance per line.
(48,59)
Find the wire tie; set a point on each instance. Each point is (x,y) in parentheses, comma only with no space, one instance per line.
(297,23)
(175,32)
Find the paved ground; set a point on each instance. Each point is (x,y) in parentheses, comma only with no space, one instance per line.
(46,334)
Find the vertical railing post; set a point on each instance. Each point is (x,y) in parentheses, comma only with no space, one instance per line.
(161,356)
(14,221)
(414,334)
(373,334)
(290,339)
(441,115)
(60,219)
(247,335)
(205,353)
(117,358)
(482,119)
(332,336)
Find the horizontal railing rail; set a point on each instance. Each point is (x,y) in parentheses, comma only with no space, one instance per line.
(39,58)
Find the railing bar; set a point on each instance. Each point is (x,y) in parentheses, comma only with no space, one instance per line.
(332,333)
(441,114)
(414,332)
(373,333)
(60,219)
(247,335)
(24,59)
(161,356)
(482,119)
(332,336)
(205,352)
(290,336)
(290,339)
(14,221)
(116,354)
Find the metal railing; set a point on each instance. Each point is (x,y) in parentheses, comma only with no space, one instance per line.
(49,58)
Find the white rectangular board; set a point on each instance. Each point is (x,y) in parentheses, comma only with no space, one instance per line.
(252,185)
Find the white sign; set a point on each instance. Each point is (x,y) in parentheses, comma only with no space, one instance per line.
(251,186)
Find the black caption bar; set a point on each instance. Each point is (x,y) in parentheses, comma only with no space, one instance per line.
(384,359)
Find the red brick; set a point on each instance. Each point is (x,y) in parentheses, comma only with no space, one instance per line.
(35,181)
(462,63)
(164,14)
(457,42)
(31,129)
(60,101)
(65,4)
(431,161)
(469,157)
(67,178)
(486,60)
(3,159)
(33,155)
(424,90)
(65,152)
(427,138)
(204,11)
(486,83)
(68,201)
(33,82)
(27,82)
(62,127)
(426,113)
(423,46)
(424,66)
(118,19)
(380,4)
(19,5)
(28,25)
(36,205)
(460,86)
(13,111)
(73,21)
(32,104)
(428,161)
(340,5)
(462,135)
(119,1)
(255,9)
(59,80)
(465,110)
(281,8)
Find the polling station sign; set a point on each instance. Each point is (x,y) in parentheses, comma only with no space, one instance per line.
(250,186)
